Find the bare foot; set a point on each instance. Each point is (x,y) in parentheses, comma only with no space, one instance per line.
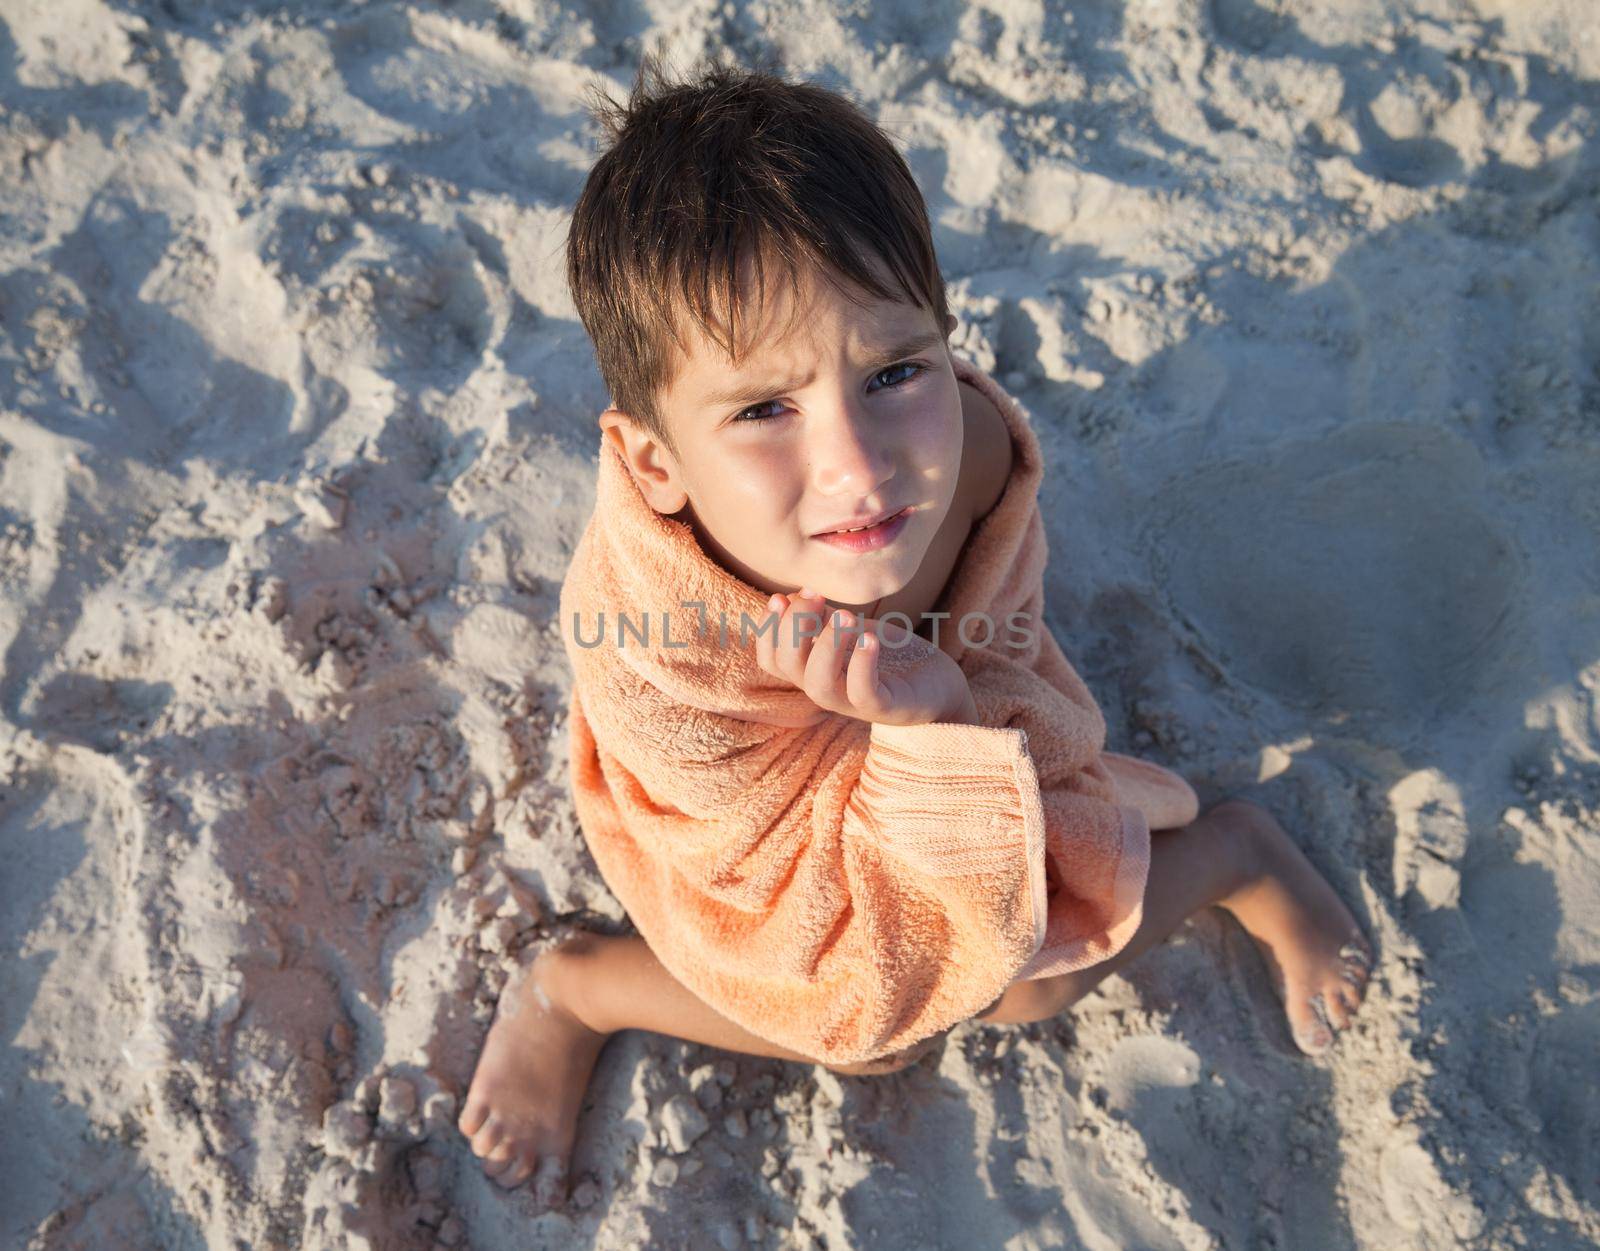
(1319,958)
(521,1111)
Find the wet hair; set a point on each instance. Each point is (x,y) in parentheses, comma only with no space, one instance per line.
(728,171)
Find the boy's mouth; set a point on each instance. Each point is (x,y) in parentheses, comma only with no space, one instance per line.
(870,536)
(864,524)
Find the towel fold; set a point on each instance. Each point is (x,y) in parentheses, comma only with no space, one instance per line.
(840,888)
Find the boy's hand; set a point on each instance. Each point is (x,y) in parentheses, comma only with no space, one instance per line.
(835,662)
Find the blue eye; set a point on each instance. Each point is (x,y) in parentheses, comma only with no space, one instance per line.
(893,368)
(754,411)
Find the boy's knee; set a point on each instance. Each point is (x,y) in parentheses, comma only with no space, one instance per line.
(992,1008)
(1025,1003)
(1234,811)
(891,1063)
(871,1068)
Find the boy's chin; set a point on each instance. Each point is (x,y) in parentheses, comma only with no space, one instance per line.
(860,596)
(862,592)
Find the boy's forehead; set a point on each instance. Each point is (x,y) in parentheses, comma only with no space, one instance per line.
(778,326)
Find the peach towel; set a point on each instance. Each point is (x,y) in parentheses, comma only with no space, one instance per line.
(840,888)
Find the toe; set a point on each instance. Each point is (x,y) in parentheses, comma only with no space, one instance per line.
(1332,1012)
(487,1138)
(521,1169)
(503,1157)
(1355,965)
(1314,1033)
(1337,1006)
(1356,955)
(472,1118)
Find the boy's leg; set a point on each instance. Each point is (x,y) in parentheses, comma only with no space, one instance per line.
(1236,856)
(554,1017)
(1190,868)
(619,983)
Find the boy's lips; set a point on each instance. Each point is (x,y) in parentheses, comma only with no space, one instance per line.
(861,523)
(871,538)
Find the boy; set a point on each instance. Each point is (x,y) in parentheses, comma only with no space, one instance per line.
(841,462)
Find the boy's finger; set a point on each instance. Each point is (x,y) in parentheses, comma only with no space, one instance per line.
(829,654)
(795,637)
(891,631)
(862,686)
(783,642)
(766,640)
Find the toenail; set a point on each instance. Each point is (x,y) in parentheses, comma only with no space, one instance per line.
(516,1174)
(1322,1035)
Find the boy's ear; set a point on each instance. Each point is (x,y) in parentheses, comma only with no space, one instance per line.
(949,324)
(649,461)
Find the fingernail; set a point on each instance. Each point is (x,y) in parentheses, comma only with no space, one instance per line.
(773,601)
(807,593)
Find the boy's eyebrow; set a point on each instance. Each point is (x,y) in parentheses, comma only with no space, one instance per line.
(754,392)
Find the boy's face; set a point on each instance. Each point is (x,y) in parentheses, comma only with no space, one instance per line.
(862,417)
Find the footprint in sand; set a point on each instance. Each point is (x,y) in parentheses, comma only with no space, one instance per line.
(1568,1109)
(1350,574)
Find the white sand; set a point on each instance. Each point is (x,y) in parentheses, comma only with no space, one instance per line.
(296,435)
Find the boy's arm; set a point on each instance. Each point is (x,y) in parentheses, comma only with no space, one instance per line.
(951,797)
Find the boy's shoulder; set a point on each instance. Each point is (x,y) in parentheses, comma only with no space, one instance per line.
(987,452)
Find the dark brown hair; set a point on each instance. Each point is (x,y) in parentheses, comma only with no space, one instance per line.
(729,168)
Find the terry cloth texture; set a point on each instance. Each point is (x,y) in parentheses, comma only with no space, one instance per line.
(841,888)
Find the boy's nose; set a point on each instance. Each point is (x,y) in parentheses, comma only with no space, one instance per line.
(846,458)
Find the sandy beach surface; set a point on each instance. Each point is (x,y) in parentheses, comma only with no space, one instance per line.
(297,433)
